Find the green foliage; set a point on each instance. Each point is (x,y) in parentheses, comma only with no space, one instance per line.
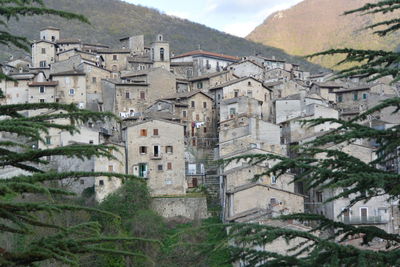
(322,166)
(26,218)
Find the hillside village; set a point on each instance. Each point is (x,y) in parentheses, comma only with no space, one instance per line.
(179,114)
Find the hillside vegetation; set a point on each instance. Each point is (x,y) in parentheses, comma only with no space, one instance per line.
(113,19)
(316,25)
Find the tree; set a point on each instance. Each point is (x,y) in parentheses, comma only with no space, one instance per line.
(335,170)
(22,216)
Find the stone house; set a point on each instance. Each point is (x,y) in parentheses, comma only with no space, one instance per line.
(182,70)
(205,62)
(106,185)
(71,87)
(294,106)
(293,131)
(139,63)
(124,98)
(161,82)
(268,63)
(354,99)
(44,50)
(277,74)
(90,57)
(326,89)
(247,86)
(242,193)
(115,60)
(155,152)
(94,77)
(17,92)
(242,133)
(42,91)
(378,211)
(198,117)
(207,81)
(248,68)
(134,43)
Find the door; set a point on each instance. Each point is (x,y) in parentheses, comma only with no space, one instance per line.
(194,182)
(364,214)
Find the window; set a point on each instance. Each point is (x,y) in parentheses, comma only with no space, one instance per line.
(205,129)
(41,100)
(236,93)
(319,196)
(115,57)
(43,64)
(208,66)
(184,114)
(156,151)
(355,96)
(43,50)
(155,132)
(142,95)
(169,166)
(273,179)
(143,132)
(193,104)
(114,68)
(71,91)
(199,85)
(364,95)
(232,111)
(249,93)
(94,80)
(101,182)
(53,38)
(340,98)
(48,140)
(273,201)
(41,89)
(91,142)
(160,167)
(82,181)
(204,104)
(143,150)
(249,83)
(197,117)
(169,149)
(127,95)
(143,170)
(110,168)
(162,51)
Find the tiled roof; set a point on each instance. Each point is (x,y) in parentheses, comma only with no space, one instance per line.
(187,94)
(207,53)
(68,73)
(69,41)
(49,83)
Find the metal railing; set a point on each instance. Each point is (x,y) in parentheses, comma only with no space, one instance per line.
(365,220)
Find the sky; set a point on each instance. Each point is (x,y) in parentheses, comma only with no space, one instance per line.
(237,17)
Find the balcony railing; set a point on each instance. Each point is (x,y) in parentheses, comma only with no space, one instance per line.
(365,220)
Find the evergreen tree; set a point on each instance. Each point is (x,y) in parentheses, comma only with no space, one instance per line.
(27,218)
(336,170)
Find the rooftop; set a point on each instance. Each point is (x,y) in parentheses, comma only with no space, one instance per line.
(207,54)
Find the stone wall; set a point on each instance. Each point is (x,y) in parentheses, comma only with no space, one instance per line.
(192,208)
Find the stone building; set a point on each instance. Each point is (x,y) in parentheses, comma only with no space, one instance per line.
(247,86)
(155,152)
(205,62)
(248,68)
(207,81)
(71,87)
(106,185)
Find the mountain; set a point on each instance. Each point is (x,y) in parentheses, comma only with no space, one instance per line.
(316,25)
(114,19)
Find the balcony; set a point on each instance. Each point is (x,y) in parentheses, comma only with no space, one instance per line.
(365,220)
(156,156)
